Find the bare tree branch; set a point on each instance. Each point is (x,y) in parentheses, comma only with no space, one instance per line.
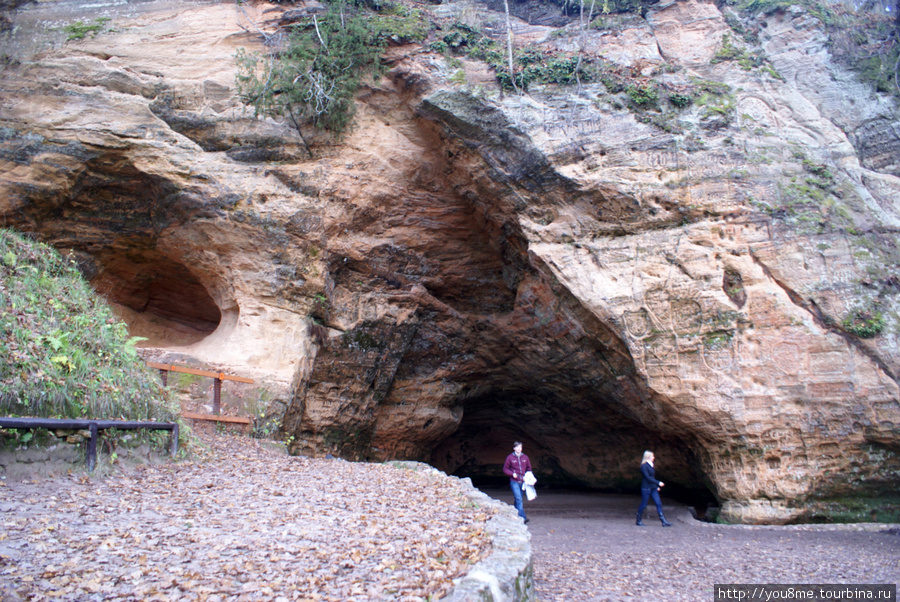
(318,33)
(583,41)
(266,37)
(319,92)
(299,131)
(509,47)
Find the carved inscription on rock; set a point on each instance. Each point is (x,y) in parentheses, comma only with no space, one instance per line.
(638,323)
(687,315)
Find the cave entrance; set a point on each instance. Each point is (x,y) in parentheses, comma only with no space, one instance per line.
(573,443)
(159,298)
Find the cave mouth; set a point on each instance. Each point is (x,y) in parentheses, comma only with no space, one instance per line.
(574,444)
(159,298)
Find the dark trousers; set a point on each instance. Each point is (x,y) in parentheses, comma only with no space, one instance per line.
(646,494)
(517,496)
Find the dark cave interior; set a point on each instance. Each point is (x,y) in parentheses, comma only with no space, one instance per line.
(571,448)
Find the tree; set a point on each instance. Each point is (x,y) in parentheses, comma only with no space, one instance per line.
(310,75)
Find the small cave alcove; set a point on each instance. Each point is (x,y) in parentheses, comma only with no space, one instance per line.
(573,443)
(159,298)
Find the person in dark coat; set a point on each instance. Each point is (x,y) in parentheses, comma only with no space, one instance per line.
(650,487)
(515,467)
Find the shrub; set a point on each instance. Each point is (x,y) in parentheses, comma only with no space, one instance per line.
(864,324)
(562,70)
(820,171)
(643,95)
(439,46)
(727,51)
(312,79)
(680,100)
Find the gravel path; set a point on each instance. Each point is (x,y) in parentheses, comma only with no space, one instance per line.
(587,548)
(241,522)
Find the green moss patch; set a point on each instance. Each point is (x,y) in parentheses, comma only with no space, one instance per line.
(852,509)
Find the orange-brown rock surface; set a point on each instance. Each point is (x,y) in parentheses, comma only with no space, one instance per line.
(466,268)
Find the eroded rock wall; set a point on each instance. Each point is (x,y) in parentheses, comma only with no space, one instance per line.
(466,267)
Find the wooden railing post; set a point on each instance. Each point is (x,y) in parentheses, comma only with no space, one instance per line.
(217,376)
(217,395)
(92,448)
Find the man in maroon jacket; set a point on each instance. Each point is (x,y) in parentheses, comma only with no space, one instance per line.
(515,467)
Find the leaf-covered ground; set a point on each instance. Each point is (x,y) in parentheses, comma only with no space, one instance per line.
(241,522)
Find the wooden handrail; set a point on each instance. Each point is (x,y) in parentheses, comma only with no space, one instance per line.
(216,418)
(198,372)
(94,426)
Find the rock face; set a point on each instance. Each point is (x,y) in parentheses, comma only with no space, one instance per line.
(467,268)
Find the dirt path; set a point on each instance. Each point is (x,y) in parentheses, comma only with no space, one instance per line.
(587,548)
(242,522)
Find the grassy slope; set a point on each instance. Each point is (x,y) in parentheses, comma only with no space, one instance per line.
(62,353)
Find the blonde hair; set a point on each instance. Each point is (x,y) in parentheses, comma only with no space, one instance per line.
(647,455)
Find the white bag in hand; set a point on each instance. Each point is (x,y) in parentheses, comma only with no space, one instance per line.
(529,480)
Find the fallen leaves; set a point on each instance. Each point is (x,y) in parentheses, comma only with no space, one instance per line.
(243,523)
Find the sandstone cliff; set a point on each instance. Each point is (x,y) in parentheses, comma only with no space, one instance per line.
(570,267)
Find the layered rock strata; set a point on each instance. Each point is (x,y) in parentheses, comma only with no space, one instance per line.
(466,267)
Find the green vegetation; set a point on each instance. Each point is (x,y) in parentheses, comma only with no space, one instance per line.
(746,60)
(823,176)
(711,88)
(80,29)
(599,23)
(184,381)
(814,201)
(605,7)
(265,424)
(361,340)
(62,353)
(680,100)
(643,95)
(320,308)
(400,24)
(854,508)
(876,68)
(718,340)
(534,67)
(531,65)
(864,323)
(728,51)
(716,99)
(312,76)
(815,8)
